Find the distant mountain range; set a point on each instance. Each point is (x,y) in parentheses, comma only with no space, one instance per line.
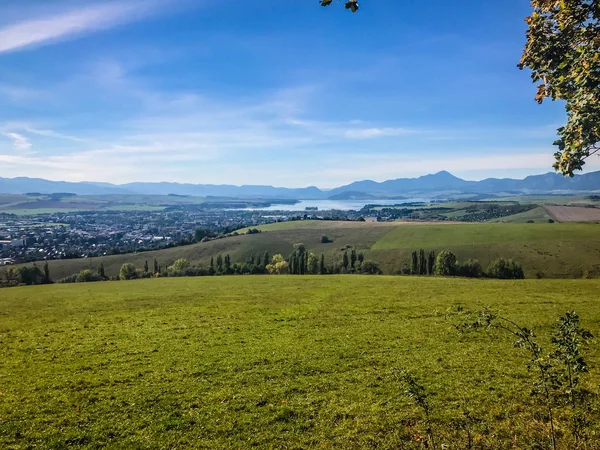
(439,184)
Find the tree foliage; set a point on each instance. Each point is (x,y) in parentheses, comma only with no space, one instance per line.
(562,51)
(278,265)
(446,264)
(505,269)
(127,272)
(351,5)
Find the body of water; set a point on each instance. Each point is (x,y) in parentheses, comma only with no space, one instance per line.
(342,205)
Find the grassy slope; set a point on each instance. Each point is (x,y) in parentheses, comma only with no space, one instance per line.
(267,362)
(555,250)
(280,238)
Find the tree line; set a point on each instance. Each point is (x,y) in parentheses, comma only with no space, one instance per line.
(446,264)
(299,262)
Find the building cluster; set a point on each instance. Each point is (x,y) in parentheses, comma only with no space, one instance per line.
(98,233)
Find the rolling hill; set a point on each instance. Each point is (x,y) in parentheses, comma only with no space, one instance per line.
(548,250)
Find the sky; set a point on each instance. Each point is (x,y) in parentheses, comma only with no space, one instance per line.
(279,92)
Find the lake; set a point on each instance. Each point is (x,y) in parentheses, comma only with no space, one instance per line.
(342,205)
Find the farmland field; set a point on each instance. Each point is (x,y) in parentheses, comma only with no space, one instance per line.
(273,362)
(574,213)
(537,214)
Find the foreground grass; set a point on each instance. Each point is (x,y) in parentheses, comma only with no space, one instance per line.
(269,362)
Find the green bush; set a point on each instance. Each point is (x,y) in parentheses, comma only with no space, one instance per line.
(505,269)
(181,265)
(370,268)
(446,264)
(87,276)
(127,272)
(470,269)
(30,275)
(325,239)
(69,279)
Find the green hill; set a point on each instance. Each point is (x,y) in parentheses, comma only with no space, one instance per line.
(274,362)
(550,250)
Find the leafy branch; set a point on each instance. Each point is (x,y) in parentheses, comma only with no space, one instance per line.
(352,5)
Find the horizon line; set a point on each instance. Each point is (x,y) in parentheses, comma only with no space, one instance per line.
(278,187)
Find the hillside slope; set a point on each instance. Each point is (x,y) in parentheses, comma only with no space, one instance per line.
(548,250)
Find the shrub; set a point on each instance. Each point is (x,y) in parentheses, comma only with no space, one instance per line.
(325,239)
(127,272)
(470,269)
(87,276)
(446,264)
(69,279)
(181,264)
(370,268)
(505,270)
(30,275)
(550,220)
(278,265)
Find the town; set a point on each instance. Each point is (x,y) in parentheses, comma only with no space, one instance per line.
(82,234)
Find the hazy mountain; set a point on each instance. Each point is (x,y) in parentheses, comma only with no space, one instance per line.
(25,185)
(422,186)
(222,190)
(441,181)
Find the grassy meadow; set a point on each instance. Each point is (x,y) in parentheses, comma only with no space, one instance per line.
(549,250)
(273,362)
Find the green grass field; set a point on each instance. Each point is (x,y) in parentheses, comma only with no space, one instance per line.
(552,250)
(272,362)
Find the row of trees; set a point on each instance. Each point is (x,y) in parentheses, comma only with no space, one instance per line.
(303,262)
(26,275)
(446,264)
(300,262)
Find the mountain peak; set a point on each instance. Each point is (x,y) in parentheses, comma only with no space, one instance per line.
(444,174)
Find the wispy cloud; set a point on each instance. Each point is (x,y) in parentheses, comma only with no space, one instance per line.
(20,142)
(369,133)
(73,22)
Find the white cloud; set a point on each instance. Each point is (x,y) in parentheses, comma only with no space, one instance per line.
(20,142)
(368,133)
(72,23)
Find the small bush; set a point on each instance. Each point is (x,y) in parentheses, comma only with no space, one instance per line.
(550,220)
(325,239)
(504,269)
(127,272)
(470,269)
(370,268)
(87,276)
(69,279)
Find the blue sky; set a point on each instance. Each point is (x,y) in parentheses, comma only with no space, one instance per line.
(279,92)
